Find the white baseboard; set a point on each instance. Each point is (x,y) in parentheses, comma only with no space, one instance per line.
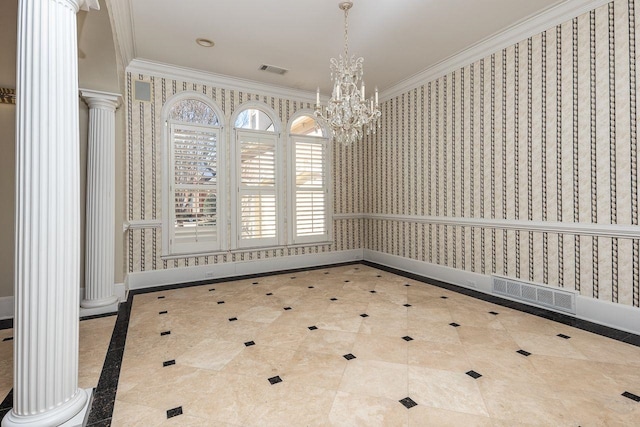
(618,316)
(6,308)
(149,279)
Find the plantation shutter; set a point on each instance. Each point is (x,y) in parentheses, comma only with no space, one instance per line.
(257,189)
(194,188)
(310,189)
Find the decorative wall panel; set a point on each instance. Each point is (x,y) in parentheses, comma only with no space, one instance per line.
(544,130)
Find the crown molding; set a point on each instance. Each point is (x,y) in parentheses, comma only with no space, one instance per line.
(123,29)
(524,29)
(175,72)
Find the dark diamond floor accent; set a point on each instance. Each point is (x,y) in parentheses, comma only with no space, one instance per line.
(168,363)
(349,356)
(287,308)
(313,328)
(473,374)
(293,277)
(347,281)
(378,275)
(310,287)
(443,297)
(523,352)
(454,324)
(249,343)
(254,283)
(165,333)
(161,297)
(408,402)
(494,313)
(566,337)
(334,299)
(407,305)
(407,338)
(269,294)
(373,292)
(8,339)
(233,319)
(364,315)
(326,272)
(631,396)
(174,412)
(163,312)
(212,289)
(220,302)
(275,380)
(406,284)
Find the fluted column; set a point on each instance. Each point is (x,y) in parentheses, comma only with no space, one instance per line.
(47,284)
(99,247)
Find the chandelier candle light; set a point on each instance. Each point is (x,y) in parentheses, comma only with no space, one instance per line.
(348,113)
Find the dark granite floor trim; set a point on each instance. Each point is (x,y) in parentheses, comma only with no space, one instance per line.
(99,316)
(104,395)
(565,319)
(234,278)
(6,404)
(6,323)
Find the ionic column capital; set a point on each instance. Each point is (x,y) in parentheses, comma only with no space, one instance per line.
(101,100)
(78,5)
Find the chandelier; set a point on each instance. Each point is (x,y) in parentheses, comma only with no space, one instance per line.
(348,112)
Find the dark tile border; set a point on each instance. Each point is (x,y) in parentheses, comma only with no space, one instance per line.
(565,319)
(99,316)
(104,395)
(6,324)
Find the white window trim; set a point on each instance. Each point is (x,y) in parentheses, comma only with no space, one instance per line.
(167,173)
(280,239)
(291,187)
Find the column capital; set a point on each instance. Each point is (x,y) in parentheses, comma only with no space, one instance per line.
(84,4)
(103,100)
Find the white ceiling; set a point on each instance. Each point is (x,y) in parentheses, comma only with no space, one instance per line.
(397,38)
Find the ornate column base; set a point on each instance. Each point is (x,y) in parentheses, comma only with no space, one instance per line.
(66,415)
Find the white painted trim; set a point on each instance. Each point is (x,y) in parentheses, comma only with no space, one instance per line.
(517,32)
(7,307)
(123,29)
(618,316)
(137,224)
(148,279)
(174,72)
(578,228)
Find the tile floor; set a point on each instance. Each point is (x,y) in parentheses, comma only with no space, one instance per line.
(356,346)
(94,337)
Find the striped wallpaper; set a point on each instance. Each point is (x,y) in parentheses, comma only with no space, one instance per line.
(544,130)
(144,174)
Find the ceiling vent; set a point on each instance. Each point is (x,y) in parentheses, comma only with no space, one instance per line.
(273,69)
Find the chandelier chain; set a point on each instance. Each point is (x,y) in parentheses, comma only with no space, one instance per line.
(346,33)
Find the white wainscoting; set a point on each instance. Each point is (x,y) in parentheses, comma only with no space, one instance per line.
(618,316)
(149,279)
(6,308)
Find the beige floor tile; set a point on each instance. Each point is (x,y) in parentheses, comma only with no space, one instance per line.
(328,342)
(375,378)
(260,361)
(444,356)
(381,348)
(211,354)
(420,416)
(132,415)
(351,410)
(518,402)
(315,369)
(453,391)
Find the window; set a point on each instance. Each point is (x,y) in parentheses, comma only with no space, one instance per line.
(258,217)
(194,200)
(309,181)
